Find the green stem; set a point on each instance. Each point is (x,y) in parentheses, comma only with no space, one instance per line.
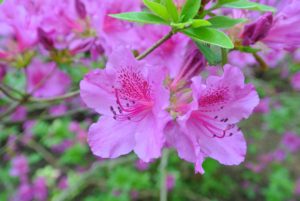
(156,45)
(163,172)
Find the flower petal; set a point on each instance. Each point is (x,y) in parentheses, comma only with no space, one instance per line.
(110,139)
(97,93)
(149,137)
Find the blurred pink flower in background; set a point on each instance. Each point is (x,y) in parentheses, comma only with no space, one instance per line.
(170,182)
(19,166)
(141,165)
(40,189)
(295,81)
(291,142)
(46,80)
(263,106)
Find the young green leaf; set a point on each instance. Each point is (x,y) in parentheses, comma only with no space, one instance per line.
(172,10)
(224,21)
(141,17)
(212,53)
(209,35)
(190,10)
(245,4)
(158,9)
(200,23)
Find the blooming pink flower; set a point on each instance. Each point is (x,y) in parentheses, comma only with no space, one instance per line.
(295,81)
(130,96)
(209,128)
(46,80)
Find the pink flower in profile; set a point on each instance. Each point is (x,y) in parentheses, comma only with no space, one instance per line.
(130,96)
(209,128)
(280,35)
(46,80)
(295,81)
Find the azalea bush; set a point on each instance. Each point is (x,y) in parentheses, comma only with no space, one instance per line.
(149,100)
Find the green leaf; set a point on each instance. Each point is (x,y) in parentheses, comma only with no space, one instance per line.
(157,9)
(245,4)
(190,10)
(224,22)
(172,10)
(212,53)
(195,23)
(209,35)
(141,17)
(200,23)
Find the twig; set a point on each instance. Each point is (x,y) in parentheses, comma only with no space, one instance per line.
(163,172)
(46,117)
(156,45)
(261,62)
(57,98)
(10,110)
(7,94)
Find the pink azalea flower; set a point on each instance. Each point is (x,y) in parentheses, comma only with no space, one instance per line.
(130,96)
(40,189)
(241,59)
(20,166)
(2,71)
(46,80)
(257,30)
(280,35)
(263,106)
(291,142)
(117,32)
(19,114)
(172,52)
(209,128)
(24,192)
(295,81)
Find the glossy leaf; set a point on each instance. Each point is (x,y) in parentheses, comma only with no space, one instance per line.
(224,21)
(190,10)
(244,4)
(172,10)
(158,9)
(141,17)
(209,35)
(212,53)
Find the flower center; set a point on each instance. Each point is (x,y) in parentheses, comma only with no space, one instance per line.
(133,96)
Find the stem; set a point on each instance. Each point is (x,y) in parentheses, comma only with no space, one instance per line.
(7,94)
(163,172)
(261,62)
(156,45)
(58,98)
